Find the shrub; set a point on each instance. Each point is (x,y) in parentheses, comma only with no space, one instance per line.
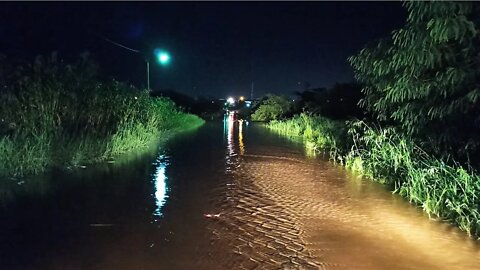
(272,108)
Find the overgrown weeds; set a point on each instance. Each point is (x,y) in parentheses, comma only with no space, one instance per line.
(443,189)
(53,114)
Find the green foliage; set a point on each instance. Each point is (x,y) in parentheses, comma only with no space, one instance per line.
(272,108)
(424,80)
(321,132)
(53,114)
(442,190)
(425,77)
(384,155)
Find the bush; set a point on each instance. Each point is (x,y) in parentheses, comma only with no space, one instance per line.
(272,108)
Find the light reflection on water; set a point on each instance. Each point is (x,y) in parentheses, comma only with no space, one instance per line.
(229,124)
(228,129)
(271,208)
(342,221)
(240,137)
(160,182)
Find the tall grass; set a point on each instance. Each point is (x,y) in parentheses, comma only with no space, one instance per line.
(319,133)
(444,189)
(54,114)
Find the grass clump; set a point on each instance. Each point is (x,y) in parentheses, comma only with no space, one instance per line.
(321,132)
(54,114)
(443,188)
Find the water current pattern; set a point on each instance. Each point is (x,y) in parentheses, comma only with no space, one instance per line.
(229,195)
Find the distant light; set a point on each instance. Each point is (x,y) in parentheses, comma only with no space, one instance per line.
(242,98)
(230,100)
(163,57)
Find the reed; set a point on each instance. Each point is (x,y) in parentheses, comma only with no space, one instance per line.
(62,115)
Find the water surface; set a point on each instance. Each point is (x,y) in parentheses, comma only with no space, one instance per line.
(226,196)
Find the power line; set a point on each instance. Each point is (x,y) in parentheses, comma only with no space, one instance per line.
(117,44)
(120,45)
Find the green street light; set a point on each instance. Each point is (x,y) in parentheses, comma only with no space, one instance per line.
(163,57)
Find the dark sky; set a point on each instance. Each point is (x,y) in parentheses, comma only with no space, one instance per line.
(218,48)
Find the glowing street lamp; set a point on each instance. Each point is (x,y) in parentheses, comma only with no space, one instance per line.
(163,57)
(230,100)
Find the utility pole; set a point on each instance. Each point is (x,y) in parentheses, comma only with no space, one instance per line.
(162,56)
(148,74)
(132,50)
(251,91)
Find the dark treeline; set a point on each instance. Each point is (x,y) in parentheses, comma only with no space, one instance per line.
(337,102)
(205,107)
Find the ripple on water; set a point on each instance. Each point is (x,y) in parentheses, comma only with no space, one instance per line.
(308,216)
(261,233)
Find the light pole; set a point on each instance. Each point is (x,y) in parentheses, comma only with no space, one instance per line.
(148,74)
(163,57)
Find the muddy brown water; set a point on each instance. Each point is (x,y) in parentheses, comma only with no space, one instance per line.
(227,196)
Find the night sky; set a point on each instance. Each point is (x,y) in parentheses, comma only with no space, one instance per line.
(218,48)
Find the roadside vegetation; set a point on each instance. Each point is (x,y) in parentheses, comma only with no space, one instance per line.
(57,114)
(443,188)
(419,106)
(272,107)
(206,107)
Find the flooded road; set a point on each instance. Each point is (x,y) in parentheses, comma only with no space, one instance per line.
(226,196)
